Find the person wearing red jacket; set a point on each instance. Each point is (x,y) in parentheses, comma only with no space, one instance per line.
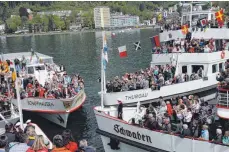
(169,108)
(69,142)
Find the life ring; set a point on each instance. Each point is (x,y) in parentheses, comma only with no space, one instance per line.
(222,55)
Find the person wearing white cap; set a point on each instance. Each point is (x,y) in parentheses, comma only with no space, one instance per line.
(218,138)
(186,131)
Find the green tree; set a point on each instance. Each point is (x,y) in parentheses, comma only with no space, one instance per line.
(13,23)
(88,19)
(4,11)
(66,23)
(45,23)
(58,22)
(73,16)
(37,19)
(24,20)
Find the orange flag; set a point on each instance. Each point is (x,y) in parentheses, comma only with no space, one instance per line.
(184,29)
(219,16)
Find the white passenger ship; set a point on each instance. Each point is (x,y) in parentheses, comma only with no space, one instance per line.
(55,110)
(185,62)
(136,139)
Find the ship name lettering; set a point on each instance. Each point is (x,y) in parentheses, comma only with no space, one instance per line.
(135,135)
(137,96)
(40,103)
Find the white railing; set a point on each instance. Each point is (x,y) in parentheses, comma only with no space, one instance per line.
(223,99)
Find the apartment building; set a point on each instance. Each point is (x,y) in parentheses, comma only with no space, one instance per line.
(102,17)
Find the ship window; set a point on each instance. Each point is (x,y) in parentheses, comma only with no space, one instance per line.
(195,68)
(40,67)
(220,66)
(30,70)
(203,16)
(184,69)
(214,68)
(195,17)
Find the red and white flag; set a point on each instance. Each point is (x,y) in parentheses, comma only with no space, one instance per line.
(203,22)
(122,51)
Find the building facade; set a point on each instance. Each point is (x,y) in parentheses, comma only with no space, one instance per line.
(102,17)
(57,13)
(124,21)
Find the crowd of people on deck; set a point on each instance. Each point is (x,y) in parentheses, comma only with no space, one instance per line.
(17,140)
(58,84)
(196,25)
(153,78)
(223,76)
(185,117)
(189,46)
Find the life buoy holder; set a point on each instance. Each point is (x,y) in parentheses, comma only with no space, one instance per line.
(222,54)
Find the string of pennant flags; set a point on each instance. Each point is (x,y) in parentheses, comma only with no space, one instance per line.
(137,45)
(123,49)
(155,39)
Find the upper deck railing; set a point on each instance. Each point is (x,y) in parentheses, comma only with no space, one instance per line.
(223,97)
(196,33)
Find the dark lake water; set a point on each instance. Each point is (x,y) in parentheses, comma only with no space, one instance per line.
(80,53)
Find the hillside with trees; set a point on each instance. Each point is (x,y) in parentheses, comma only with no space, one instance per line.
(80,9)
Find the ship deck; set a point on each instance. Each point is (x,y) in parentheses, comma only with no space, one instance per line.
(12,56)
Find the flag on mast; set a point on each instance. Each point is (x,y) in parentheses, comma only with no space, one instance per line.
(105,49)
(155,41)
(137,45)
(203,22)
(122,51)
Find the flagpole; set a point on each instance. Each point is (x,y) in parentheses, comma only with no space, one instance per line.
(18,98)
(102,79)
(191,15)
(104,72)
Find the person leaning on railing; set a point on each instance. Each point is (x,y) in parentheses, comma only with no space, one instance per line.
(225,138)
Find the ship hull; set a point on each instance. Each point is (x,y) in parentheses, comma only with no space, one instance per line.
(142,139)
(122,147)
(54,110)
(145,96)
(59,119)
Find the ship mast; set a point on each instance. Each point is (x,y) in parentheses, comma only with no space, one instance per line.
(102,75)
(18,98)
(103,67)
